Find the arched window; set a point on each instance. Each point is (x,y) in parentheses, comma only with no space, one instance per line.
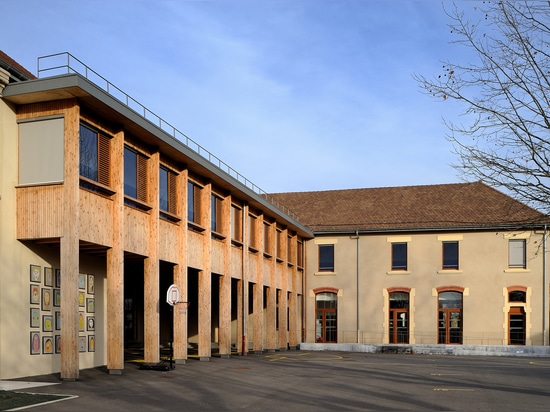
(450,317)
(399,317)
(516,315)
(326,304)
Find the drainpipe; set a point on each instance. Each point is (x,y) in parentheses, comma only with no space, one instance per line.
(358,314)
(244,292)
(544,300)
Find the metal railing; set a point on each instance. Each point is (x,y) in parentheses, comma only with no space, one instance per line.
(65,63)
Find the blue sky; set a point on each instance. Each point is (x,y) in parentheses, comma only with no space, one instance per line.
(296,95)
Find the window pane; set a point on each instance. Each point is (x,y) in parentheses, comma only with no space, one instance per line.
(326,257)
(326,300)
(399,300)
(517,253)
(163,190)
(516,296)
(190,202)
(130,173)
(450,300)
(399,256)
(213,214)
(450,255)
(88,153)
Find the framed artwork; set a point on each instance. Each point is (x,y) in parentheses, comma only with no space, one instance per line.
(47,323)
(57,297)
(58,320)
(35,273)
(82,281)
(57,343)
(82,343)
(90,305)
(35,294)
(90,323)
(91,284)
(35,343)
(81,299)
(48,277)
(81,321)
(91,343)
(35,317)
(46,299)
(58,278)
(47,344)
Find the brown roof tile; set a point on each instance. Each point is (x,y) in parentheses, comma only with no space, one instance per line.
(445,206)
(16,66)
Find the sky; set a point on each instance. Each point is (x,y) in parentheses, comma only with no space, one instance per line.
(295,95)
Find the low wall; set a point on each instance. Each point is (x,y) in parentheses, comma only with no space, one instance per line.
(456,350)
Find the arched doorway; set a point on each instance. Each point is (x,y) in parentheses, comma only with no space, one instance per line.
(326,304)
(516,318)
(399,317)
(450,317)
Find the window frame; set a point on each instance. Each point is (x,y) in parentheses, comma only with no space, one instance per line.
(99,180)
(322,265)
(236,224)
(395,259)
(139,198)
(170,211)
(216,216)
(448,261)
(194,206)
(512,253)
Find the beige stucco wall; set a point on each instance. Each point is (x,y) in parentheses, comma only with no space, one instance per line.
(483,274)
(16,258)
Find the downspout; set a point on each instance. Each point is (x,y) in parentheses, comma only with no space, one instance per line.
(358,293)
(244,291)
(544,299)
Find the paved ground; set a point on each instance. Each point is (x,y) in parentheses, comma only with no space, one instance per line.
(315,381)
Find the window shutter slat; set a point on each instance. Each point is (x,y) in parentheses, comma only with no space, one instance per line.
(141,178)
(172,192)
(104,160)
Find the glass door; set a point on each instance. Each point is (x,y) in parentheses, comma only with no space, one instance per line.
(516,321)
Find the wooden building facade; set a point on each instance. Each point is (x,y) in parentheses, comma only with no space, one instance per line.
(114,208)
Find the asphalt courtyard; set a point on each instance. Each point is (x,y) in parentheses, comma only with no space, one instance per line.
(313,381)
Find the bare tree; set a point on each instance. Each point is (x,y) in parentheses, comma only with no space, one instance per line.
(505,92)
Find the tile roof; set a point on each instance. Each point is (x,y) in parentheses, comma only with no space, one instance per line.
(457,206)
(10,63)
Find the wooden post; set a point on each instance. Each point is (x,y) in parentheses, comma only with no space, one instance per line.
(224,336)
(151,269)
(283,323)
(258,316)
(115,262)
(69,248)
(205,279)
(180,272)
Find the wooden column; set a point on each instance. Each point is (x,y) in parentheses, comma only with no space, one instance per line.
(205,279)
(242,328)
(258,315)
(293,314)
(283,306)
(151,268)
(224,336)
(271,326)
(115,262)
(69,248)
(180,272)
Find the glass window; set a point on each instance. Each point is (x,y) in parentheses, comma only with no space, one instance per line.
(516,296)
(167,191)
(216,214)
(517,255)
(236,223)
(193,203)
(450,255)
(88,153)
(130,173)
(399,256)
(252,231)
(95,156)
(326,317)
(326,258)
(163,183)
(267,238)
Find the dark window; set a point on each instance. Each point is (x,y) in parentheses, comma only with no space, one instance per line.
(326,304)
(236,223)
(516,296)
(193,203)
(167,190)
(95,155)
(326,258)
(450,317)
(399,317)
(216,214)
(399,256)
(135,174)
(450,255)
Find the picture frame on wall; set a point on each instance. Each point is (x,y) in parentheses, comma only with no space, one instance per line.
(91,343)
(35,318)
(35,273)
(90,323)
(82,343)
(47,323)
(81,299)
(47,344)
(57,320)
(91,284)
(57,343)
(35,294)
(46,299)
(48,277)
(57,298)
(82,281)
(35,343)
(90,305)
(58,278)
(81,321)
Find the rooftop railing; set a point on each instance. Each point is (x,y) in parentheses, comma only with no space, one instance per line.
(65,63)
